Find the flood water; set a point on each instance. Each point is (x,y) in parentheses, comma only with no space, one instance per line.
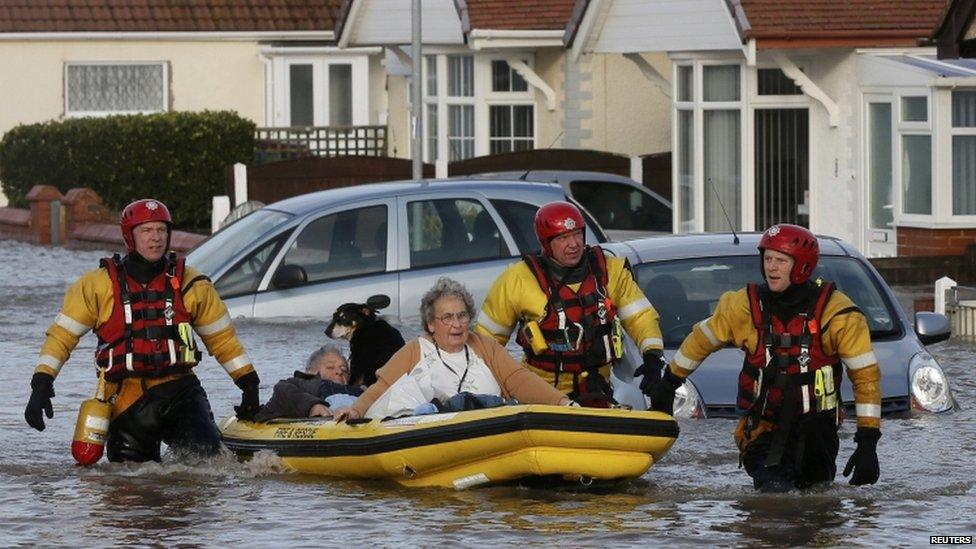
(695,496)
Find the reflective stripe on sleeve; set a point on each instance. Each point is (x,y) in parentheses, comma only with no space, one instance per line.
(213,327)
(491,325)
(868,410)
(703,325)
(685,362)
(651,342)
(860,361)
(70,324)
(51,362)
(632,309)
(235,364)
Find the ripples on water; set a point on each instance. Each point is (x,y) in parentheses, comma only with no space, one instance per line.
(695,496)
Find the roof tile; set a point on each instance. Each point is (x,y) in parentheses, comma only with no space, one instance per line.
(520,14)
(167,15)
(783,16)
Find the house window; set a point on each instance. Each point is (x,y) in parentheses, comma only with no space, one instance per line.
(686,85)
(964,152)
(460,75)
(915,109)
(460,131)
(115,88)
(511,128)
(478,105)
(708,145)
(916,166)
(915,154)
(319,90)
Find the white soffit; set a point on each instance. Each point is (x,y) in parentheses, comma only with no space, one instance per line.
(629,26)
(385,22)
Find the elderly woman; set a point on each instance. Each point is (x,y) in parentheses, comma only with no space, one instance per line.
(449,360)
(323,384)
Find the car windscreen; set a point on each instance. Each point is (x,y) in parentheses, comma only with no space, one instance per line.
(227,244)
(685,291)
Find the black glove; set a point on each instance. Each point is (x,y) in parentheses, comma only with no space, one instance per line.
(662,394)
(42,389)
(250,401)
(651,370)
(864,460)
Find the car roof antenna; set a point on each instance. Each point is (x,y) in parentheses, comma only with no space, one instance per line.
(735,237)
(526,174)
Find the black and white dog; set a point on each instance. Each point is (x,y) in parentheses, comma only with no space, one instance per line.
(372,341)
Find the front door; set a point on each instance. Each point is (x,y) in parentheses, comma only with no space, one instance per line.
(782,167)
(880,238)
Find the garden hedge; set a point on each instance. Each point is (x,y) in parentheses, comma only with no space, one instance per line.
(176,157)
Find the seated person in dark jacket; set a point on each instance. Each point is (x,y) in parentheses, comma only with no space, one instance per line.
(307,394)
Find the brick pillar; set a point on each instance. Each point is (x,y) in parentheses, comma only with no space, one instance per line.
(83,205)
(41,198)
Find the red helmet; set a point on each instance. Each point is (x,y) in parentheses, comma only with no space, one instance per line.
(139,212)
(796,242)
(554,219)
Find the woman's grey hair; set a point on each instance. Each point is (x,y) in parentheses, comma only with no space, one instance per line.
(327,349)
(444,287)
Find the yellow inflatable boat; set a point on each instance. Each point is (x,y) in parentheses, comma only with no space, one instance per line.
(464,449)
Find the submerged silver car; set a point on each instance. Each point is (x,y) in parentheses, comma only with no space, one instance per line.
(684,276)
(305,256)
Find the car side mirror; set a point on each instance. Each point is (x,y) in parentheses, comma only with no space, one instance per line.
(378,301)
(932,327)
(289,276)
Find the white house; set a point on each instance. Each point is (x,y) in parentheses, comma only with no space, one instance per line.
(827,114)
(498,78)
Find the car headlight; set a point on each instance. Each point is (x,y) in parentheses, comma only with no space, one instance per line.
(930,387)
(687,402)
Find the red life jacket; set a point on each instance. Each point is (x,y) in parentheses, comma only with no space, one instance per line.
(786,358)
(142,337)
(577,326)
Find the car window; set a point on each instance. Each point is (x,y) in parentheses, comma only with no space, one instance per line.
(451,231)
(344,244)
(686,291)
(520,219)
(212,253)
(622,207)
(244,277)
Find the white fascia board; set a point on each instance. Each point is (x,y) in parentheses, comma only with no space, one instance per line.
(954,82)
(351,20)
(596,12)
(169,36)
(317,50)
(481,39)
(906,50)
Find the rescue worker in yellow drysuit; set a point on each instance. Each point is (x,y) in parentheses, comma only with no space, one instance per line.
(144,308)
(570,303)
(796,334)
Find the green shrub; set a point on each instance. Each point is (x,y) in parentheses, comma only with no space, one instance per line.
(176,157)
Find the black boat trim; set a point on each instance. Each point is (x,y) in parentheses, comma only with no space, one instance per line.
(431,435)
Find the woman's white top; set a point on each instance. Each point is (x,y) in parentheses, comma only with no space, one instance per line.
(439,375)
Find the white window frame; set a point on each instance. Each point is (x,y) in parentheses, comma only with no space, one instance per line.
(944,154)
(482,100)
(899,130)
(83,114)
(280,100)
(698,107)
